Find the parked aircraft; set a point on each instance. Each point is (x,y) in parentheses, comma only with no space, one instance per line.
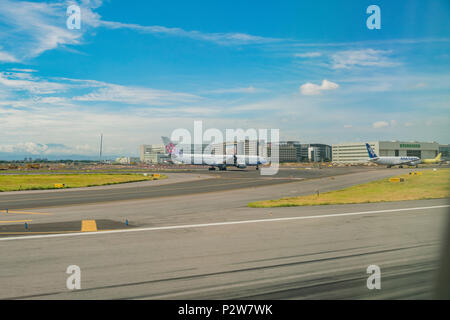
(392,161)
(221,161)
(433,161)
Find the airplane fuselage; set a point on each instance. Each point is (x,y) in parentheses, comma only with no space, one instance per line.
(430,161)
(395,161)
(220,160)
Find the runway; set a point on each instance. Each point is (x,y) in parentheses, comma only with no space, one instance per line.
(313,258)
(209,245)
(199,183)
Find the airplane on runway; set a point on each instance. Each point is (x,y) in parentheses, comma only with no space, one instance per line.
(433,161)
(392,161)
(220,161)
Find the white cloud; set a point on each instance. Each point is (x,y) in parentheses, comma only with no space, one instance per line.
(421,85)
(314,89)
(28,29)
(249,89)
(136,95)
(371,42)
(219,38)
(31,28)
(25,82)
(308,55)
(34,148)
(39,89)
(361,58)
(23,70)
(26,147)
(380,124)
(6,57)
(347,126)
(125,127)
(92,3)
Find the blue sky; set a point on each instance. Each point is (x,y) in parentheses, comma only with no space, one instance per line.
(137,70)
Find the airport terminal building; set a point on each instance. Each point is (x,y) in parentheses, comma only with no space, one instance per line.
(153,153)
(294,151)
(445,150)
(356,152)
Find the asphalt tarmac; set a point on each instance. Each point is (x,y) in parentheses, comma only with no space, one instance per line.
(210,245)
(216,181)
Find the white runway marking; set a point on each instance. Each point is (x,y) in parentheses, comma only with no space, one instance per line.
(215,224)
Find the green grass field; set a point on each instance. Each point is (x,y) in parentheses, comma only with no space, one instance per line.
(48,181)
(430,185)
(93,171)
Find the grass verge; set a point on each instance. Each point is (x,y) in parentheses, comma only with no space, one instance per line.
(47,181)
(430,185)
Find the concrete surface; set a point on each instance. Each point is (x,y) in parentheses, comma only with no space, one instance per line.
(321,253)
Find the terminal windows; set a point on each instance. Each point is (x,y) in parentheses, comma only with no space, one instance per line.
(414,153)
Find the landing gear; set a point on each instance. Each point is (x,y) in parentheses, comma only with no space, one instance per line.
(389,166)
(257,167)
(211,168)
(224,168)
(401,167)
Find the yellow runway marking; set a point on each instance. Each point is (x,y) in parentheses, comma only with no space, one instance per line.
(25,212)
(88,226)
(12,221)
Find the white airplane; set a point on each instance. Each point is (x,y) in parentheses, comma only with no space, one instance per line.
(213,160)
(392,161)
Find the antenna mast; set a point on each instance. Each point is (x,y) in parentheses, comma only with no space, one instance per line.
(101,146)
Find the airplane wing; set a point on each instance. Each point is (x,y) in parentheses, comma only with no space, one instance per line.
(411,162)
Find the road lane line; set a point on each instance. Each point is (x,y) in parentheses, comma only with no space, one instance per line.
(24,212)
(215,224)
(12,221)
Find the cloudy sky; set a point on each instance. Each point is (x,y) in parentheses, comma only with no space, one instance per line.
(137,70)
